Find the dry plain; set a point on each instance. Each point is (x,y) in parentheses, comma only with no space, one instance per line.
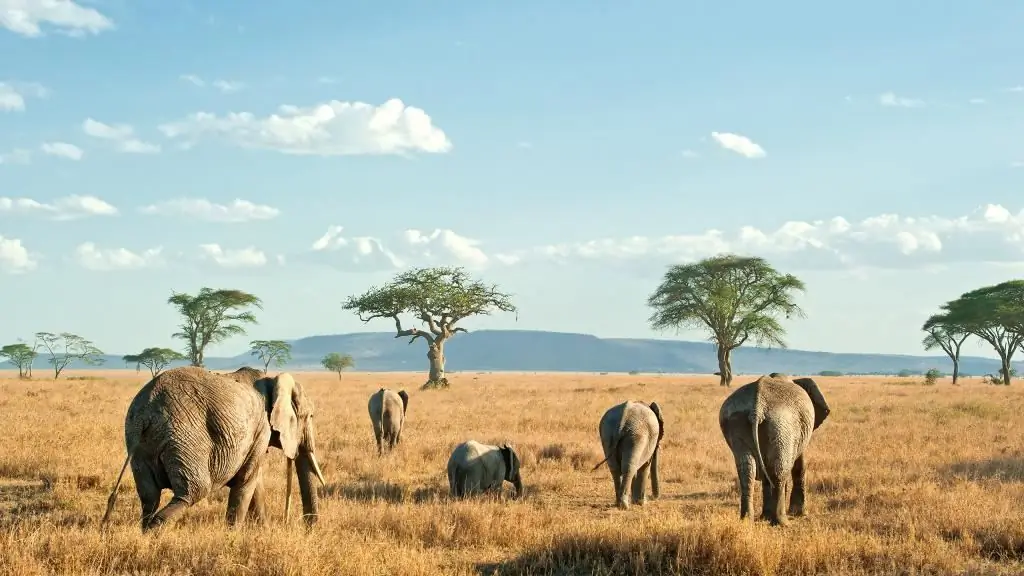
(903,479)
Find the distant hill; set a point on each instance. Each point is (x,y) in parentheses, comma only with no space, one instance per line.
(529,350)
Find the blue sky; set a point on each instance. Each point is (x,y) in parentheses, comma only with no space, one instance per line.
(568,151)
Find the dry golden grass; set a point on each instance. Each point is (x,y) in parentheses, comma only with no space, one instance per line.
(903,479)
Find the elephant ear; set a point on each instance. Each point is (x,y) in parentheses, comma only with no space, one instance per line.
(405,400)
(661,421)
(821,407)
(509,456)
(283,417)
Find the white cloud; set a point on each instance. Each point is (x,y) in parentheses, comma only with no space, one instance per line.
(891,99)
(89,256)
(200,208)
(225,86)
(331,129)
(193,79)
(62,150)
(16,156)
(123,135)
(26,17)
(739,144)
(13,95)
(363,251)
(463,250)
(248,257)
(14,257)
(989,234)
(689,154)
(67,208)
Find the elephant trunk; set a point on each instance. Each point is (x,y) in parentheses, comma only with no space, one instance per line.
(517,483)
(306,470)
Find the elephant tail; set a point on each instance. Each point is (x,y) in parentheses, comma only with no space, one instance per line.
(612,452)
(113,493)
(755,421)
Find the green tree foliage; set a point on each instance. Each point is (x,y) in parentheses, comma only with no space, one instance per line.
(277,352)
(734,298)
(438,298)
(210,317)
(65,347)
(21,356)
(337,362)
(156,359)
(994,314)
(941,333)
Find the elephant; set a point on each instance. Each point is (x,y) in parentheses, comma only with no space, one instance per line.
(474,467)
(245,374)
(193,431)
(631,435)
(387,413)
(767,425)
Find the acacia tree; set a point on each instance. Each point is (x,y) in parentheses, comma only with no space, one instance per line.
(277,352)
(19,355)
(66,347)
(941,333)
(996,315)
(211,316)
(734,298)
(337,362)
(438,297)
(156,359)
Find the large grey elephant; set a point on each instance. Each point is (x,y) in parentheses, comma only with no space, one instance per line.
(631,435)
(474,467)
(767,425)
(245,374)
(192,431)
(387,413)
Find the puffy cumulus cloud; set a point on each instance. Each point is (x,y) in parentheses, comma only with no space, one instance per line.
(989,234)
(463,250)
(91,257)
(248,257)
(355,252)
(62,150)
(27,17)
(201,209)
(334,128)
(739,144)
(67,208)
(14,257)
(13,95)
(122,135)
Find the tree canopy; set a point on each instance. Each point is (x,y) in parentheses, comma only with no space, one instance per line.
(733,298)
(276,352)
(66,347)
(19,355)
(337,362)
(438,298)
(944,334)
(994,314)
(156,359)
(210,317)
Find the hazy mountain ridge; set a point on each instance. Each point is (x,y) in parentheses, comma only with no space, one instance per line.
(530,350)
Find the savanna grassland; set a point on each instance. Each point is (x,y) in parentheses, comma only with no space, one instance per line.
(903,479)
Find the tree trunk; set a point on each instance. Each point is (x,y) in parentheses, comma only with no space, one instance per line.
(724,366)
(435,354)
(956,370)
(1005,360)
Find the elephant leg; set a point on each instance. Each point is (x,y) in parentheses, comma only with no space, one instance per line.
(147,489)
(640,484)
(745,466)
(797,499)
(378,434)
(766,499)
(257,505)
(177,504)
(613,467)
(239,500)
(778,499)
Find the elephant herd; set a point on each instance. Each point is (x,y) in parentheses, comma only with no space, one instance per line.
(191,431)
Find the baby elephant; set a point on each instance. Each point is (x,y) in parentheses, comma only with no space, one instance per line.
(631,435)
(387,412)
(474,467)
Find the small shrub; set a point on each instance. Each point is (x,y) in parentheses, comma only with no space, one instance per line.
(931,377)
(436,384)
(830,373)
(634,372)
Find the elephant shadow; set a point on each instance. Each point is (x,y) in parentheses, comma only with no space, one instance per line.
(370,490)
(1006,469)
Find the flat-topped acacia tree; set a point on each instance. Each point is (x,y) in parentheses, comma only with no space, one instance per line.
(439,298)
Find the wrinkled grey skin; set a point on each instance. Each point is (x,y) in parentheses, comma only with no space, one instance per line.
(192,431)
(387,413)
(245,374)
(474,468)
(784,412)
(631,435)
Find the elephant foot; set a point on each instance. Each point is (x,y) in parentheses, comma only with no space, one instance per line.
(640,502)
(796,512)
(623,505)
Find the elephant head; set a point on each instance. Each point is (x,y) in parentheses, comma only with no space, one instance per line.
(508,454)
(405,400)
(290,412)
(655,487)
(821,408)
